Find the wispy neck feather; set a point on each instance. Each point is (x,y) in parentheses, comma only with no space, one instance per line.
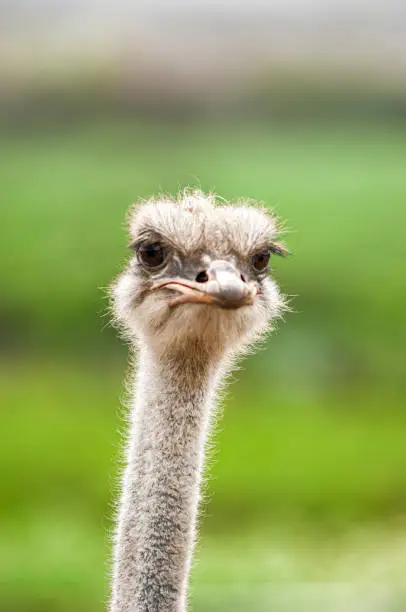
(158,508)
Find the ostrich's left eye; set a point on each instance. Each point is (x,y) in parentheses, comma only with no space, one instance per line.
(260,261)
(152,255)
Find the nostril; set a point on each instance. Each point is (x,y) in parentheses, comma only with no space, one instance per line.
(202,277)
(242,278)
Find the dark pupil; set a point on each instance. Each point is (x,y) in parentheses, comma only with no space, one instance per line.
(151,255)
(261,260)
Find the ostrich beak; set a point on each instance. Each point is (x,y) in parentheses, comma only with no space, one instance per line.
(222,286)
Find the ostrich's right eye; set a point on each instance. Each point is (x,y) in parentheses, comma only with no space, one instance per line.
(151,255)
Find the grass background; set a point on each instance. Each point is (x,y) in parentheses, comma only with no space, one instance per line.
(307,491)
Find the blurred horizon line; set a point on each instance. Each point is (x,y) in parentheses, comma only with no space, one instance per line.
(248,55)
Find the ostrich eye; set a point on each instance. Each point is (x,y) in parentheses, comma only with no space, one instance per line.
(151,255)
(260,261)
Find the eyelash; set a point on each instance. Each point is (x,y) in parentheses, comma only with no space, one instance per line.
(277,249)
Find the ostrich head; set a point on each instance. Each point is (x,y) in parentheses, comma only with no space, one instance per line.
(199,276)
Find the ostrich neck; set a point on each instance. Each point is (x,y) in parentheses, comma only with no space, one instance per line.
(158,508)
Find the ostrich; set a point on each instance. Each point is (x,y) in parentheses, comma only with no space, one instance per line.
(196,294)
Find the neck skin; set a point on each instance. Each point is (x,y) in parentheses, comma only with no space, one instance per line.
(158,507)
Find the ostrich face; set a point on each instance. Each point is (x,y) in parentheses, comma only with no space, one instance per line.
(199,274)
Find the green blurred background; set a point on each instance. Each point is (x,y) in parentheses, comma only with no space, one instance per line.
(306,500)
